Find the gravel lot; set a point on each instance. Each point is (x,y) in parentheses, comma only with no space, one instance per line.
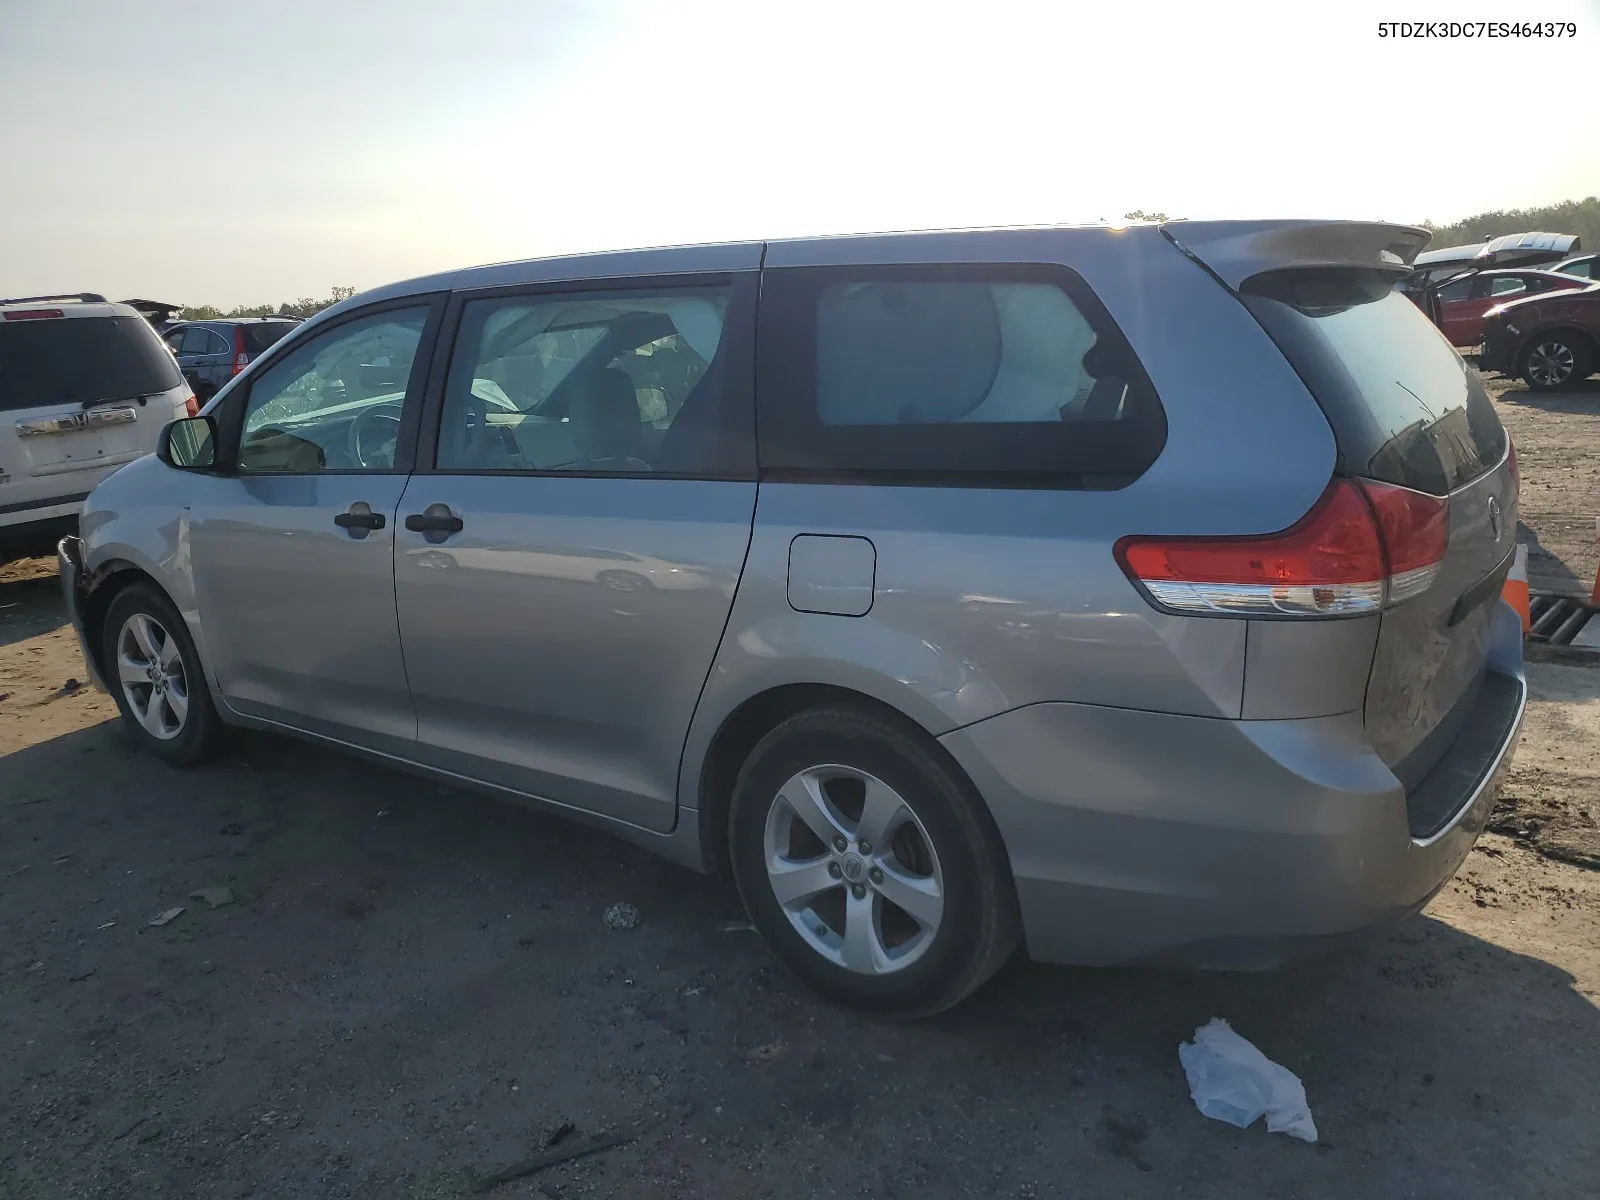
(412,988)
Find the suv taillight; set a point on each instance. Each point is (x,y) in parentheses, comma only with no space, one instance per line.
(241,356)
(1363,545)
(191,406)
(1511,463)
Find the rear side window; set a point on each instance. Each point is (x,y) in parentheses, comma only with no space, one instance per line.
(258,337)
(81,360)
(1405,408)
(971,375)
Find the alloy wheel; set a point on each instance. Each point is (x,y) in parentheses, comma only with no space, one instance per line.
(1550,363)
(853,869)
(154,681)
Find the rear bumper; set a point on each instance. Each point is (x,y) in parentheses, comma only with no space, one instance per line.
(69,563)
(1140,837)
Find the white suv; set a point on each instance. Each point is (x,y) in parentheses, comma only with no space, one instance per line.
(85,386)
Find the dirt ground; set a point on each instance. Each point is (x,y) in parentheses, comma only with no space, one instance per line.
(1556,435)
(413,987)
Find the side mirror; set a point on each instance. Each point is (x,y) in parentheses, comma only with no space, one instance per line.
(189,444)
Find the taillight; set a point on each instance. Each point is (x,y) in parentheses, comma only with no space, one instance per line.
(241,357)
(191,406)
(1363,545)
(1415,528)
(1511,465)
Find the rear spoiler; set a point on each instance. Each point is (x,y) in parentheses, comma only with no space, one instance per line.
(81,297)
(1234,251)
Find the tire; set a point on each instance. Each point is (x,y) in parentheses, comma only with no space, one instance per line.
(847,769)
(1552,361)
(172,717)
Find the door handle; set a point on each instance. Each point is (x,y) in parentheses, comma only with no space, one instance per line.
(359,520)
(435,521)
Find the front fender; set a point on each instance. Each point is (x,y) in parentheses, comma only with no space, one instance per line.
(138,520)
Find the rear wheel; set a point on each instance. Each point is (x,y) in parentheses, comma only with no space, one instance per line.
(154,675)
(1555,360)
(869,865)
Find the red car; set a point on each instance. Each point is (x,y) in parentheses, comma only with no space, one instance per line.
(1463,302)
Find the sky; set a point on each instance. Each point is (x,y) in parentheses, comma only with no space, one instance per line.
(246,153)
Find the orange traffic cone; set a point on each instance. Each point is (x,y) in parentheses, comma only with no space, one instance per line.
(1516,589)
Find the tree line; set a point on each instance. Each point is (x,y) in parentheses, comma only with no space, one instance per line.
(1581,217)
(304,307)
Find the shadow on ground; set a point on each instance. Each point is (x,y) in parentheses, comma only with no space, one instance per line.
(412,984)
(30,603)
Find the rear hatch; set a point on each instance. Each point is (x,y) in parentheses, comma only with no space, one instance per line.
(1407,410)
(79,391)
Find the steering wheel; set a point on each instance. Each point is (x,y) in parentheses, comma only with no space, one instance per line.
(370,431)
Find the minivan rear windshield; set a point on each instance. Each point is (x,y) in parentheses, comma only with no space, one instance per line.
(1405,408)
(259,336)
(81,360)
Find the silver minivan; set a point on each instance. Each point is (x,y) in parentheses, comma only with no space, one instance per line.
(1132,594)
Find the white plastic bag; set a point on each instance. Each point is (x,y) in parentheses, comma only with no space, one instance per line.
(1230,1080)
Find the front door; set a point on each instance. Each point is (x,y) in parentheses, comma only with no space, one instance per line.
(292,547)
(568,558)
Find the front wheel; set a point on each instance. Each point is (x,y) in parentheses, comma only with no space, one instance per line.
(869,865)
(1554,360)
(154,675)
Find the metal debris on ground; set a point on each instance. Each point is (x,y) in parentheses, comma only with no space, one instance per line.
(1230,1080)
(214,897)
(554,1155)
(622,916)
(162,918)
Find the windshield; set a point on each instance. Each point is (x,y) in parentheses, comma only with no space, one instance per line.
(81,360)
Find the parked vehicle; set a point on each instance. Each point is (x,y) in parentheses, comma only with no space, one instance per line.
(161,314)
(211,353)
(1584,266)
(1551,341)
(1436,269)
(1130,594)
(1511,250)
(85,386)
(1463,301)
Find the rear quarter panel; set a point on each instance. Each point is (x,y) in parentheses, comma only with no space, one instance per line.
(990,599)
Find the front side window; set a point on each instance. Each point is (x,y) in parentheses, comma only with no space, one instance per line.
(1458,290)
(620,383)
(951,372)
(334,402)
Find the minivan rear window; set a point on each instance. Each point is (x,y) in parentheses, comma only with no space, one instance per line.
(1405,408)
(81,360)
(258,337)
(963,375)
